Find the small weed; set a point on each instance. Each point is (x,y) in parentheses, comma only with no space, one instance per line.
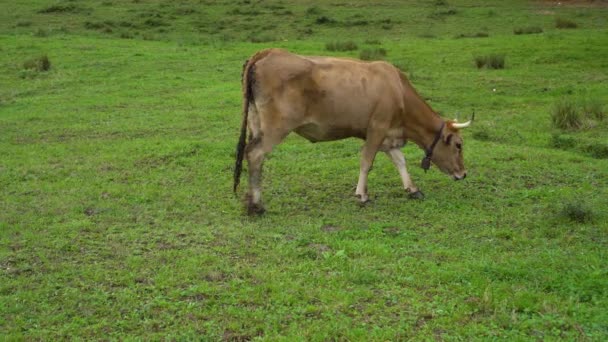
(360,22)
(565,115)
(441,3)
(492,61)
(261,38)
(562,142)
(323,20)
(41,33)
(598,150)
(473,35)
(428,35)
(275,7)
(314,10)
(185,11)
(442,14)
(283,12)
(341,46)
(148,36)
(40,64)
(372,42)
(482,136)
(93,25)
(23,23)
(373,54)
(154,23)
(577,211)
(238,11)
(527,30)
(60,9)
(307,31)
(562,23)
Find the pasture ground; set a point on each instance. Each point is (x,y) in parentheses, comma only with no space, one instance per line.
(117,219)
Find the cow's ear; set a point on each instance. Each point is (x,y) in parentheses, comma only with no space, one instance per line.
(448,138)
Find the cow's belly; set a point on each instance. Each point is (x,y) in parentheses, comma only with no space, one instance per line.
(317,133)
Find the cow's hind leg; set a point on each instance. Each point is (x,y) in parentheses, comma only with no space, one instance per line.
(255,159)
(399,160)
(256,151)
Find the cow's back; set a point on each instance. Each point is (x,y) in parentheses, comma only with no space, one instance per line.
(329,98)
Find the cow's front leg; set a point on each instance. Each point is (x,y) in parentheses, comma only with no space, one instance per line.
(399,160)
(370,148)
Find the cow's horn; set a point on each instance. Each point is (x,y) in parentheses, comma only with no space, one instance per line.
(464,124)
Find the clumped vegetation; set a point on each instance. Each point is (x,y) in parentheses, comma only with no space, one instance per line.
(313,10)
(570,115)
(442,14)
(372,54)
(41,33)
(577,211)
(491,61)
(527,30)
(262,37)
(563,23)
(593,109)
(348,45)
(40,64)
(473,35)
(23,23)
(566,116)
(372,42)
(324,20)
(597,150)
(70,8)
(562,142)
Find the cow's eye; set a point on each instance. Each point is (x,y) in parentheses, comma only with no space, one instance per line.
(459,146)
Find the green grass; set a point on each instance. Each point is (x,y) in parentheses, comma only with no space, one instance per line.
(117,219)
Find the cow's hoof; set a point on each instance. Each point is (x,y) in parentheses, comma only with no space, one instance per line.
(418,195)
(363,199)
(363,204)
(255,209)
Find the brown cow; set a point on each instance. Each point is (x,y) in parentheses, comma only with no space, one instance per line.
(326,98)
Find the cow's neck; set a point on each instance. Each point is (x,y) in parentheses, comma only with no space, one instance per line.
(421,126)
(420,122)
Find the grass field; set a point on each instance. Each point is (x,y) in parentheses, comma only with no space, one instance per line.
(117,219)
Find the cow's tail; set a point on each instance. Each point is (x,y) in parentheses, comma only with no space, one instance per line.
(247,80)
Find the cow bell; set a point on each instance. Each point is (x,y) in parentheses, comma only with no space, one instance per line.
(426,163)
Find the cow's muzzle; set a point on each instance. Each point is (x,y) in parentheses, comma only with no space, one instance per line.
(460,177)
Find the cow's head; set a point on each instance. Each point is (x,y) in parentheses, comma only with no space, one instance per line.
(448,149)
